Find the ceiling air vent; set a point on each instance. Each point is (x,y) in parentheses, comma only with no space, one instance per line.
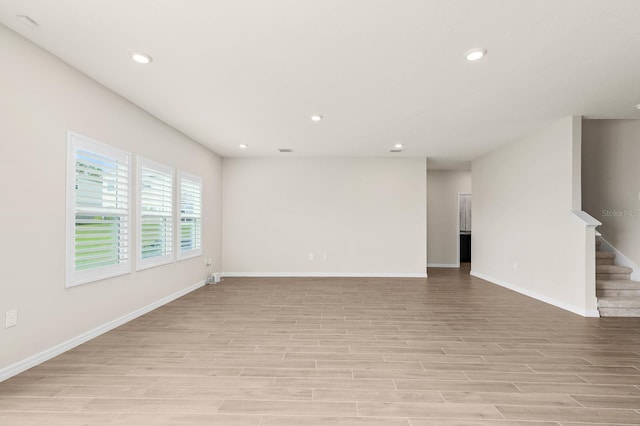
(285,150)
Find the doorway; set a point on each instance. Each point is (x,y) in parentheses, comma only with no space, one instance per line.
(464,228)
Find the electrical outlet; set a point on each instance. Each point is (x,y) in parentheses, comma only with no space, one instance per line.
(11,318)
(310,256)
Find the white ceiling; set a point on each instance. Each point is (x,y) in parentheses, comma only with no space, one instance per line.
(227,72)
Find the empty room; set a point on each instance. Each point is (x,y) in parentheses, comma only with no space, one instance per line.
(295,212)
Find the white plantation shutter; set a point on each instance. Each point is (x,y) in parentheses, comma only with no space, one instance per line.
(155,214)
(190,216)
(98,202)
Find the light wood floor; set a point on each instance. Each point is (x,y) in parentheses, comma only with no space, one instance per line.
(450,350)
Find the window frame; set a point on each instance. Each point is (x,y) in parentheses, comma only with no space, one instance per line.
(73,277)
(151,262)
(188,254)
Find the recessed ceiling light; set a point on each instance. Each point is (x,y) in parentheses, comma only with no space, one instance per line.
(243,146)
(638,106)
(141,58)
(475,54)
(27,21)
(316,117)
(398,146)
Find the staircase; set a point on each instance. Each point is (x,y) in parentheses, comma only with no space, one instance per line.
(618,296)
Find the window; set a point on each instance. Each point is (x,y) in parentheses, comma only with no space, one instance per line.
(97,211)
(190,216)
(155,214)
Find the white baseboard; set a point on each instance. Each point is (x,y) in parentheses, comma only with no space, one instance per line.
(442,265)
(324,274)
(621,259)
(551,301)
(54,351)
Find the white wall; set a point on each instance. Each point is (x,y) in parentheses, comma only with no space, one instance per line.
(611,181)
(367,214)
(524,234)
(41,98)
(443,187)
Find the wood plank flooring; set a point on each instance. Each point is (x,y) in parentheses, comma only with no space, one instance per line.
(448,350)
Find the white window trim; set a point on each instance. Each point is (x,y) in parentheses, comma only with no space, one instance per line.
(196,252)
(152,262)
(73,277)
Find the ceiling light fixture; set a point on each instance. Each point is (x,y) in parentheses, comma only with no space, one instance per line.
(316,118)
(475,54)
(398,146)
(27,21)
(141,58)
(638,106)
(243,146)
